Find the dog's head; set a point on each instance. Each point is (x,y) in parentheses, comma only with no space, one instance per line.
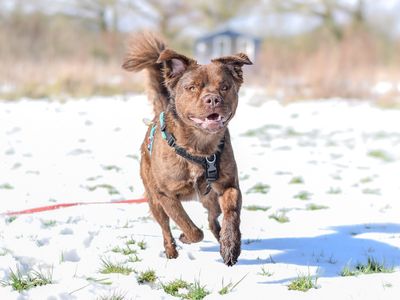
(204,96)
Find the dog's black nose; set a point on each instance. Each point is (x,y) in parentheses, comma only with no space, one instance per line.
(212,100)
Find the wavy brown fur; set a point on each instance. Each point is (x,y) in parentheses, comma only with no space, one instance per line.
(203,99)
(143,53)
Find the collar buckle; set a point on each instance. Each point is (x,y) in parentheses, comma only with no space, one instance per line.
(171,140)
(211,168)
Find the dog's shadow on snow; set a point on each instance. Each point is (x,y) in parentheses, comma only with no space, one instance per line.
(330,252)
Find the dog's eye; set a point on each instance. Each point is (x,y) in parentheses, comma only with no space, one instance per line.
(224,87)
(191,88)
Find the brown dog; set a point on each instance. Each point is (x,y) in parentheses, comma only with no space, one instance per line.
(187,151)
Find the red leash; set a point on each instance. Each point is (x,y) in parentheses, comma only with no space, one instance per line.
(64,205)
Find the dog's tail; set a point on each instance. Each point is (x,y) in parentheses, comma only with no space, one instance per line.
(143,52)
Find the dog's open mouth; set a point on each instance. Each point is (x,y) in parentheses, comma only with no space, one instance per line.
(212,122)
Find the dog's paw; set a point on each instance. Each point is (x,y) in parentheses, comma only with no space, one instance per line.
(230,252)
(195,237)
(230,242)
(171,253)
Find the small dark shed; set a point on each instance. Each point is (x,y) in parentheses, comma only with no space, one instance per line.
(226,42)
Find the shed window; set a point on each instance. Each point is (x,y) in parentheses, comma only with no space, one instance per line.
(201,48)
(222,46)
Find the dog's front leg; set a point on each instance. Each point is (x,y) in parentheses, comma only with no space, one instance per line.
(174,209)
(210,202)
(230,238)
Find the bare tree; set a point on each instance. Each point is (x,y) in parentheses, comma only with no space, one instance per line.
(219,12)
(326,11)
(167,16)
(103,14)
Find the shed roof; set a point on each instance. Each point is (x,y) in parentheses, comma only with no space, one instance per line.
(228,32)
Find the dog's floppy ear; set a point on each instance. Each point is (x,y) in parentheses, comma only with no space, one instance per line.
(235,64)
(175,65)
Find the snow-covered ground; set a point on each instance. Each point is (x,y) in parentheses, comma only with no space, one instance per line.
(327,170)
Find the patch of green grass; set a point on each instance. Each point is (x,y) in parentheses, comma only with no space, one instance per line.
(296,180)
(125,251)
(110,189)
(133,258)
(145,219)
(303,195)
(280,216)
(114,296)
(313,206)
(6,186)
(373,266)
(371,191)
(281,173)
(135,157)
(117,249)
(292,132)
(185,290)
(142,245)
(260,188)
(197,291)
(271,259)
(104,281)
(332,260)
(10,219)
(303,283)
(109,267)
(334,191)
(256,208)
(172,288)
(251,241)
(265,272)
(370,267)
(385,208)
(387,285)
(41,243)
(257,132)
(261,132)
(366,180)
(126,225)
(49,223)
(381,154)
(348,271)
(62,258)
(93,178)
(336,177)
(230,286)
(130,242)
(148,276)
(20,282)
(129,251)
(111,168)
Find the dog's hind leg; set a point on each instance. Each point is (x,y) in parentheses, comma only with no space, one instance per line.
(210,202)
(163,219)
(173,207)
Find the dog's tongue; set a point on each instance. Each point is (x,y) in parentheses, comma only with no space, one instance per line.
(213,121)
